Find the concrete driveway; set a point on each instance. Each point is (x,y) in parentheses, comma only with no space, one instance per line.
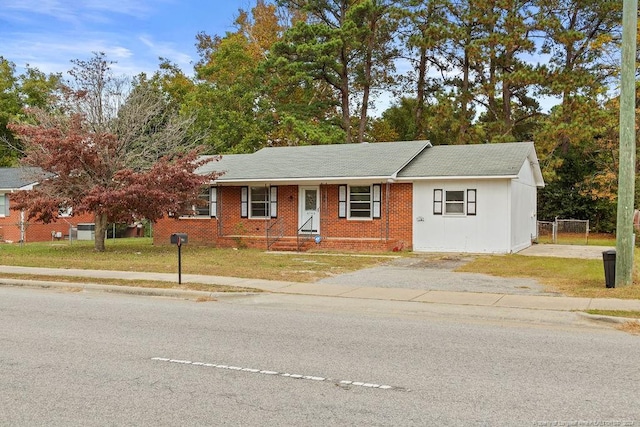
(435,272)
(566,251)
(431,272)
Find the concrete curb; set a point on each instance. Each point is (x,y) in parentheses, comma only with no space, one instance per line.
(606,319)
(497,300)
(129,290)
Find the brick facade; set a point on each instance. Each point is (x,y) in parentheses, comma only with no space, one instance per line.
(37,231)
(392,231)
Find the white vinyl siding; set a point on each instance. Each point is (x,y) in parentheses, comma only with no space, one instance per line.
(485,232)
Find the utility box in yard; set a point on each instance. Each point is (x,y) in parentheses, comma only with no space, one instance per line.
(86,231)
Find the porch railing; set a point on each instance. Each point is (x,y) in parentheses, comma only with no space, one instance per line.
(275,230)
(305,232)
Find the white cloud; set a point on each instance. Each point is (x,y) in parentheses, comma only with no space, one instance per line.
(52,54)
(166,50)
(74,12)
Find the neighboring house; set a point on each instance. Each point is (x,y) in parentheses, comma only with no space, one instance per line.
(14,226)
(371,196)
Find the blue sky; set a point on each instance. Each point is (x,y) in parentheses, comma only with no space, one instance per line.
(48,34)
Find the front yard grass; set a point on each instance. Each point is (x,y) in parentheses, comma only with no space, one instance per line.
(569,276)
(594,239)
(139,254)
(572,277)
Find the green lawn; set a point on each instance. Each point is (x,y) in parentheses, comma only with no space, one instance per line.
(139,254)
(583,278)
(594,239)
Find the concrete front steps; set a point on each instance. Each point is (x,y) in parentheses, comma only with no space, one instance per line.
(290,244)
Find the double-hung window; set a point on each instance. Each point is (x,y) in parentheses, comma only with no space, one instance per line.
(360,201)
(454,202)
(206,204)
(4,205)
(259,202)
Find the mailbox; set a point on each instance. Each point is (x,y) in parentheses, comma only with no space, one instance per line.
(179,239)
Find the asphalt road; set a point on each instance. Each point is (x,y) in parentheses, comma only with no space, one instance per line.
(103,359)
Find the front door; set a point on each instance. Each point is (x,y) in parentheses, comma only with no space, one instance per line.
(309,210)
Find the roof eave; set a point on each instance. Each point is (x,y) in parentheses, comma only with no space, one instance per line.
(292,181)
(535,167)
(456,177)
(22,187)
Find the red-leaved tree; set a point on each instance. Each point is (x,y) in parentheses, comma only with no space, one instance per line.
(81,170)
(121,155)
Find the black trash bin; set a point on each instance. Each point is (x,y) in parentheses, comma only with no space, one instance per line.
(609,260)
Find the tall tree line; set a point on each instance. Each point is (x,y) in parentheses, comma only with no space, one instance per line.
(294,72)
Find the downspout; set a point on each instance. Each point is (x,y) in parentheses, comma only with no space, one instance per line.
(219,211)
(388,208)
(510,214)
(22,228)
(324,207)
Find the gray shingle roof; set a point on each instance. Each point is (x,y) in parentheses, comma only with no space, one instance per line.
(318,162)
(407,160)
(481,160)
(14,178)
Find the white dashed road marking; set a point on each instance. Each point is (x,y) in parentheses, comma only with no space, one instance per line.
(281,374)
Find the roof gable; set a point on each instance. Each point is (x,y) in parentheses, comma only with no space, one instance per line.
(479,160)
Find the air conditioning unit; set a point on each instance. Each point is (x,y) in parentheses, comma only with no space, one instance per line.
(86,231)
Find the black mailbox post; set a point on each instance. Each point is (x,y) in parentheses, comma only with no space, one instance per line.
(179,239)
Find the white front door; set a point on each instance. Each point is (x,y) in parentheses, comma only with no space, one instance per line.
(309,210)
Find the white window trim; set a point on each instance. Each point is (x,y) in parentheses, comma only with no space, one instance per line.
(469,202)
(457,202)
(211,212)
(65,212)
(271,202)
(4,210)
(360,218)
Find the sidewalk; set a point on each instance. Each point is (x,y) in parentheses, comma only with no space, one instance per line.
(534,302)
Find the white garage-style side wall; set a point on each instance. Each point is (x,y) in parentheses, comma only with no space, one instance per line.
(523,208)
(488,231)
